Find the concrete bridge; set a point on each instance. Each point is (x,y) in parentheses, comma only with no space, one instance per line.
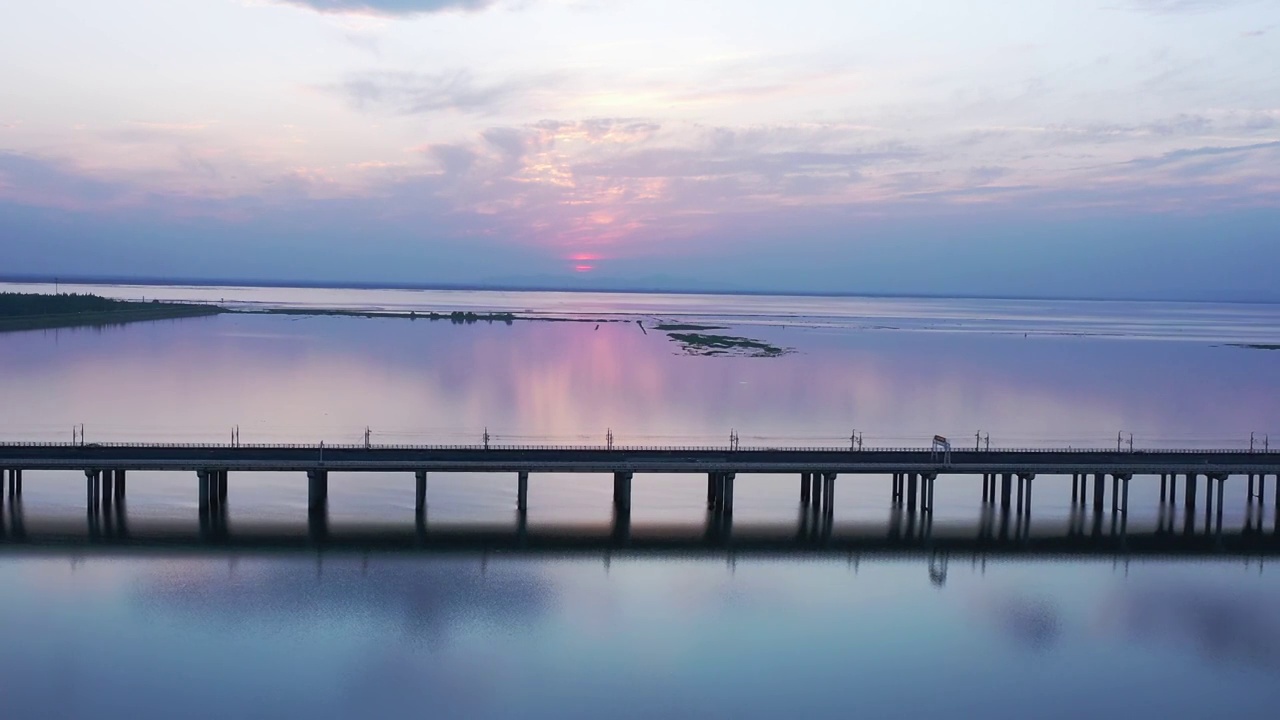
(912,473)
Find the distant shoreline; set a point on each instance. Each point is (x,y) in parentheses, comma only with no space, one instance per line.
(43,312)
(495,287)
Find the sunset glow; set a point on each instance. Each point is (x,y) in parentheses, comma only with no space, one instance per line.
(816,146)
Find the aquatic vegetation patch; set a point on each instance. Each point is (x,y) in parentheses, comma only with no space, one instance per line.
(726,345)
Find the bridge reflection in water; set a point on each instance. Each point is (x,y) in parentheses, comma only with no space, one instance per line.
(1082,533)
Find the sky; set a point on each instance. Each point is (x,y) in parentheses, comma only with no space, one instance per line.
(1082,148)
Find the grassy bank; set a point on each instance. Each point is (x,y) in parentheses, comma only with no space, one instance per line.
(30,311)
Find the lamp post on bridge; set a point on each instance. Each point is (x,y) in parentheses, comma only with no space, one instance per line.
(1120,439)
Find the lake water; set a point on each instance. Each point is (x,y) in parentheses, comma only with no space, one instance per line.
(352,634)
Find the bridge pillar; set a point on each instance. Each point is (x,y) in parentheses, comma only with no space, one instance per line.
(1222,481)
(1115,494)
(222,487)
(522,491)
(804,488)
(1173,490)
(1190,500)
(1006,490)
(726,493)
(1075,488)
(829,494)
(912,480)
(1024,485)
(17,477)
(713,490)
(1084,489)
(897,490)
(204,482)
(318,492)
(91,489)
(420,501)
(108,488)
(1164,482)
(120,476)
(621,490)
(1262,490)
(1099,491)
(926,502)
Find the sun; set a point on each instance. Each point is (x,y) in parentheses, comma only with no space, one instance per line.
(584,262)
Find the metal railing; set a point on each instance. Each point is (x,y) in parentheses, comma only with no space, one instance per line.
(737,449)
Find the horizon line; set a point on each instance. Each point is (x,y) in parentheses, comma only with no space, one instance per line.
(498,287)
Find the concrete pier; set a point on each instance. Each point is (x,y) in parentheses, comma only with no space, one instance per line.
(804,488)
(725,504)
(1189,502)
(1099,491)
(622,491)
(1006,490)
(420,494)
(522,492)
(1024,487)
(912,481)
(317,491)
(91,489)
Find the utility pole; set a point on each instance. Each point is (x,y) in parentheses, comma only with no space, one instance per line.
(486,438)
(367,433)
(608,439)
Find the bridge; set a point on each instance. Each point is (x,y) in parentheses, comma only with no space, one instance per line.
(912,473)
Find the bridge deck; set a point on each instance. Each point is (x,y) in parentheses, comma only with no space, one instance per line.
(640,460)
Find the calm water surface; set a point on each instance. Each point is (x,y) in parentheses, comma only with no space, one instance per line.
(349,635)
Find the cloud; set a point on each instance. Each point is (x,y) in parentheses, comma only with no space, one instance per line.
(410,93)
(390,7)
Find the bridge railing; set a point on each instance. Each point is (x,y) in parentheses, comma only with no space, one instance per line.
(605,448)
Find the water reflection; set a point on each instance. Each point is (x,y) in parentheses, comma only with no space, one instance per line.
(285,379)
(1032,622)
(428,597)
(996,531)
(1220,623)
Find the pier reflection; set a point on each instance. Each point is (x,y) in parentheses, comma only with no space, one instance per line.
(997,531)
